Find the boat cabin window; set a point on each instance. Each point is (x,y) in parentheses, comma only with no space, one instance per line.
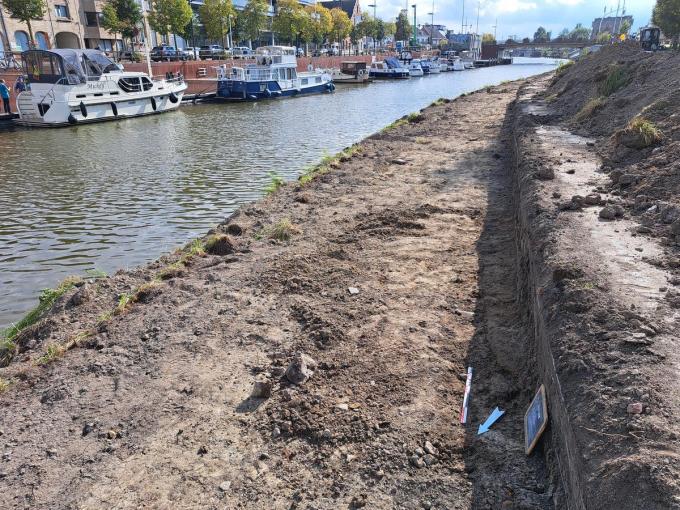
(95,64)
(130,84)
(43,67)
(146,83)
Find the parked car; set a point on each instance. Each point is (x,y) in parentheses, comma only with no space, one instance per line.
(190,53)
(164,52)
(212,51)
(321,52)
(241,52)
(300,52)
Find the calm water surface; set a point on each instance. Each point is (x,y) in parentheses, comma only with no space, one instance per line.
(119,194)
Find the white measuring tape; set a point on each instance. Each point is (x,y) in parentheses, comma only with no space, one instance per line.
(468,384)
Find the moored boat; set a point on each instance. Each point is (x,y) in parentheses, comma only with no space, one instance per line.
(351,72)
(274,74)
(457,64)
(390,68)
(414,68)
(70,86)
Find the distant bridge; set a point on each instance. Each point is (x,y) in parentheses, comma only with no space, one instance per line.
(544,45)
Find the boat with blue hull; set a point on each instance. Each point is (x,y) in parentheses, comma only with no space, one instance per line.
(273,75)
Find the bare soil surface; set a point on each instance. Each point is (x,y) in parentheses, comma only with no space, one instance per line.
(609,308)
(399,273)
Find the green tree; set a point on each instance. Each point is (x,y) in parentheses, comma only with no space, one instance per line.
(254,19)
(580,33)
(380,32)
(564,35)
(320,23)
(109,21)
(666,16)
(290,20)
(170,16)
(390,28)
(367,27)
(541,35)
(342,25)
(403,30)
(488,39)
(217,17)
(625,27)
(25,10)
(128,16)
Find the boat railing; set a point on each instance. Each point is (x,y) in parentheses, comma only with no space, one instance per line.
(247,74)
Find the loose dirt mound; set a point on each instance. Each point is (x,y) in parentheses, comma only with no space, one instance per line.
(630,98)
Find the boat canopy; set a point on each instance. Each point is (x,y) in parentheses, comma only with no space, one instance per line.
(392,63)
(275,50)
(69,66)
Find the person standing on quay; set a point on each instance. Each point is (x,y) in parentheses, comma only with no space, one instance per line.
(4,94)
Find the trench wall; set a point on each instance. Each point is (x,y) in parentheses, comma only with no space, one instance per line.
(537,291)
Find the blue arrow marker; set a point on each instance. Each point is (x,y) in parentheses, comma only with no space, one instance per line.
(484,427)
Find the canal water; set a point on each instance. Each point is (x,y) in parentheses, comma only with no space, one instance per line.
(119,194)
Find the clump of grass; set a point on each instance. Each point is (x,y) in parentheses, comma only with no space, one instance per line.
(640,133)
(4,385)
(276,182)
(53,352)
(617,78)
(105,317)
(124,300)
(394,125)
(281,231)
(589,109)
(45,301)
(324,165)
(219,244)
(171,271)
(563,68)
(415,117)
(440,101)
(96,274)
(194,249)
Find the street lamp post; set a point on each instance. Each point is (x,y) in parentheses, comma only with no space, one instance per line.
(374,18)
(415,26)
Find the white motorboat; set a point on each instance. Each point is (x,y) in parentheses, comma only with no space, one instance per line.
(274,74)
(457,64)
(414,68)
(68,86)
(434,66)
(388,69)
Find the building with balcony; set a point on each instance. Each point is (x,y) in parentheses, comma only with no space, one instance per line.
(66,24)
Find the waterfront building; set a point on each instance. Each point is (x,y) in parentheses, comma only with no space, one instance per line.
(471,43)
(611,25)
(66,24)
(431,34)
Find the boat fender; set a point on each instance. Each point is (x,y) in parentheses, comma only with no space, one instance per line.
(268,93)
(277,93)
(114,107)
(252,96)
(153,103)
(83,109)
(72,120)
(173,98)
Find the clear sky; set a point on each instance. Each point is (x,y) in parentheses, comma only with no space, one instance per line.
(515,17)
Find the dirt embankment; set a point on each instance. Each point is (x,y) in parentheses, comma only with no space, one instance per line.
(597,218)
(392,270)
